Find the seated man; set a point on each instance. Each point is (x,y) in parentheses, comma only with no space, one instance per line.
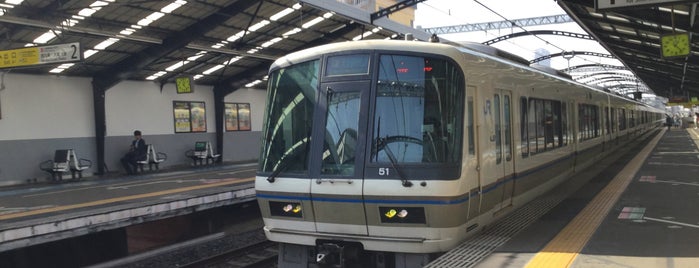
(136,152)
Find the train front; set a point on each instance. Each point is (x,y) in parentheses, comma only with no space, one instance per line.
(362,145)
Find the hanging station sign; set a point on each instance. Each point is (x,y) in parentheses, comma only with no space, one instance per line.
(30,56)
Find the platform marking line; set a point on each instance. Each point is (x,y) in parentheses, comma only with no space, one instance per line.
(151,183)
(672,222)
(120,199)
(562,250)
(671,182)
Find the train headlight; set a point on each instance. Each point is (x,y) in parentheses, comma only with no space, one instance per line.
(286,209)
(390,214)
(402,215)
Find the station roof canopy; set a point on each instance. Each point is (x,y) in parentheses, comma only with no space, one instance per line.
(633,34)
(214,41)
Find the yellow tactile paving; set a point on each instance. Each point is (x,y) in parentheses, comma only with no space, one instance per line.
(119,199)
(562,250)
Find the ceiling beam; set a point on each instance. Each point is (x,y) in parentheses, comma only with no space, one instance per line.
(124,69)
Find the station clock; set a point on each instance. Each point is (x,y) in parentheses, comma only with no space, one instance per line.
(674,45)
(184,85)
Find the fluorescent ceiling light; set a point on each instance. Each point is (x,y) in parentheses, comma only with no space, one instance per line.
(312,22)
(87,12)
(271,42)
(156,75)
(176,66)
(14,2)
(680,12)
(281,14)
(213,69)
(99,4)
(251,84)
(291,32)
(258,25)
(88,53)
(127,31)
(235,36)
(106,43)
(172,6)
(46,37)
(234,59)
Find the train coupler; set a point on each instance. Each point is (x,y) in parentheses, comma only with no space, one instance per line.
(336,255)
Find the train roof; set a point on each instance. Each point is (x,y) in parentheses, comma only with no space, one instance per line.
(452,50)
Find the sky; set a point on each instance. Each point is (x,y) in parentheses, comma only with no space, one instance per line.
(436,13)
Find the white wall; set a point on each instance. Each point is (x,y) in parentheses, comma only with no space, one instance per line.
(46,107)
(256,98)
(132,105)
(43,113)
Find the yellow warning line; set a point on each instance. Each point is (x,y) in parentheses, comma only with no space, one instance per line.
(562,250)
(120,199)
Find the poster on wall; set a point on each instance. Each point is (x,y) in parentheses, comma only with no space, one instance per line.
(244,116)
(198,114)
(237,116)
(182,119)
(231,116)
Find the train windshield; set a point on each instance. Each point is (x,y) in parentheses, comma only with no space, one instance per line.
(419,111)
(291,97)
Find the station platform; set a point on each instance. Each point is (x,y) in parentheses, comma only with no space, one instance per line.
(637,210)
(40,213)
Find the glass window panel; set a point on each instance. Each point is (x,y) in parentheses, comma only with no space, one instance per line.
(347,65)
(341,128)
(291,97)
(419,111)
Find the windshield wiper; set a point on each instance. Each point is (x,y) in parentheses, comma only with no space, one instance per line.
(281,166)
(381,143)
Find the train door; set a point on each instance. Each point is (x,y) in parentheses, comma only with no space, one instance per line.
(502,112)
(472,169)
(337,185)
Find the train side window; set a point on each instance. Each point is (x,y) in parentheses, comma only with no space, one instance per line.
(588,121)
(524,147)
(498,137)
(546,125)
(564,124)
(622,119)
(612,119)
(471,133)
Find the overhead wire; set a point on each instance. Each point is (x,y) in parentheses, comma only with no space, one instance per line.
(449,15)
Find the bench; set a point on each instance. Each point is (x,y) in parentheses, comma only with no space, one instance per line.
(152,158)
(65,160)
(202,152)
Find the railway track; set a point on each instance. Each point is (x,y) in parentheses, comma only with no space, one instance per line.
(262,254)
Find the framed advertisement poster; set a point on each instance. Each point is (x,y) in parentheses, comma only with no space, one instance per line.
(244,116)
(182,121)
(198,116)
(237,116)
(189,116)
(231,110)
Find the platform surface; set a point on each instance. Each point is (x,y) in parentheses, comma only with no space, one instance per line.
(39,213)
(646,215)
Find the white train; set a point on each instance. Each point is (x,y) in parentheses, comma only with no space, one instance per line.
(385,153)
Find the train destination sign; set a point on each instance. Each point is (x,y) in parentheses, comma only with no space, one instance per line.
(29,56)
